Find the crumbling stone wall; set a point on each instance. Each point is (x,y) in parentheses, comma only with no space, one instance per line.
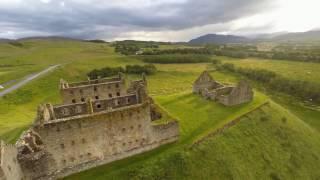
(242,93)
(10,167)
(94,89)
(69,138)
(205,82)
(207,87)
(92,138)
(164,132)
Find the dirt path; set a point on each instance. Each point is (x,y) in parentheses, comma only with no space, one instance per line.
(26,80)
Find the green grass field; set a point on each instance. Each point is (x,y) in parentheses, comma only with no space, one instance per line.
(292,70)
(289,69)
(270,143)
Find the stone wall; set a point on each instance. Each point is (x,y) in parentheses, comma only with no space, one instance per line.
(164,132)
(242,93)
(203,82)
(9,164)
(85,139)
(96,81)
(69,138)
(226,95)
(69,110)
(97,89)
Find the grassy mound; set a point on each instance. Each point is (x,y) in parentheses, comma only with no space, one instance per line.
(269,143)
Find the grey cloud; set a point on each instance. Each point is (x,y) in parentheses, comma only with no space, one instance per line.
(100,20)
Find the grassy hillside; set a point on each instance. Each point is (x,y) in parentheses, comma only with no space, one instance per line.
(292,70)
(269,143)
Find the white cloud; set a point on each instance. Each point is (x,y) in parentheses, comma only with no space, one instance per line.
(164,20)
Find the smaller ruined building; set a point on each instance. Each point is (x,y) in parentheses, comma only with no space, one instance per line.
(227,95)
(100,121)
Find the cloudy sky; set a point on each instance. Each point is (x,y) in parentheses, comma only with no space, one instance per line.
(164,20)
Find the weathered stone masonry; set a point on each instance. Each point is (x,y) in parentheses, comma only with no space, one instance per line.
(227,95)
(78,135)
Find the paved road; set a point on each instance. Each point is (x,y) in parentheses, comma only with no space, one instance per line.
(26,80)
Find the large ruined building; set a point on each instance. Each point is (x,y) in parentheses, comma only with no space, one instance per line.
(100,121)
(227,95)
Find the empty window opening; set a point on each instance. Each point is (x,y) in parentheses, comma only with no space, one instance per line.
(123,144)
(74,101)
(82,99)
(131,127)
(117,85)
(98,106)
(81,91)
(62,146)
(97,97)
(71,92)
(72,143)
(95,88)
(64,161)
(118,93)
(123,129)
(110,95)
(128,100)
(89,154)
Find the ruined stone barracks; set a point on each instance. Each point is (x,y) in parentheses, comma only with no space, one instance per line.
(100,121)
(227,95)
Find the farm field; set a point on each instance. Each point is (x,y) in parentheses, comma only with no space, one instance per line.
(289,69)
(270,142)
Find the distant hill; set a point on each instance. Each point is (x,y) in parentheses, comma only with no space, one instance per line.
(2,40)
(278,36)
(300,36)
(218,39)
(49,38)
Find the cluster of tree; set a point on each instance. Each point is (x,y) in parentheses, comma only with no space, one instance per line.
(132,47)
(128,49)
(176,58)
(96,41)
(105,72)
(302,89)
(177,51)
(137,69)
(230,53)
(130,69)
(16,43)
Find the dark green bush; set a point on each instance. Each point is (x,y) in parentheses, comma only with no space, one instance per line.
(130,69)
